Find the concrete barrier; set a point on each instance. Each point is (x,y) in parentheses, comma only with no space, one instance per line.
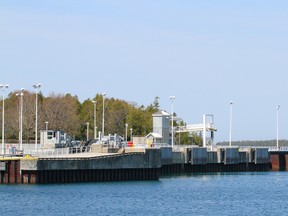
(212,157)
(261,156)
(198,155)
(152,158)
(243,156)
(177,157)
(99,148)
(166,155)
(134,150)
(29,164)
(231,156)
(96,148)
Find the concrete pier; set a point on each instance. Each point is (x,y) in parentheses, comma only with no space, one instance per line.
(131,164)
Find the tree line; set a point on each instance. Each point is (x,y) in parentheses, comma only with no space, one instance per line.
(264,143)
(67,113)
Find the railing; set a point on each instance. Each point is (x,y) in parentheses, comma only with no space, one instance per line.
(50,152)
(152,145)
(270,148)
(274,148)
(59,151)
(81,149)
(86,149)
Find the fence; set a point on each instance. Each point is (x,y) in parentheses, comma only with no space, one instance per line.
(50,152)
(270,148)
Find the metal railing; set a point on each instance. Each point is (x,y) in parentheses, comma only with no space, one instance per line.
(50,152)
(270,148)
(151,145)
(281,149)
(59,151)
(87,149)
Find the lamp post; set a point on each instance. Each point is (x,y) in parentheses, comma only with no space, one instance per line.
(179,133)
(46,125)
(37,88)
(277,113)
(131,132)
(20,95)
(95,127)
(126,126)
(103,113)
(172,98)
(230,133)
(204,130)
(87,131)
(3,87)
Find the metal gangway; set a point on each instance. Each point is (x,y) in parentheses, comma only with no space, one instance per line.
(204,128)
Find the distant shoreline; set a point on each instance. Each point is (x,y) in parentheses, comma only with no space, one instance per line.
(254,143)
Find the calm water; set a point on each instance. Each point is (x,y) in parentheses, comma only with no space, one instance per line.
(263,193)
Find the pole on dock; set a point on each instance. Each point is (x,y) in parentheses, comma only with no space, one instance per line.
(37,88)
(204,130)
(230,134)
(277,137)
(172,98)
(103,113)
(3,87)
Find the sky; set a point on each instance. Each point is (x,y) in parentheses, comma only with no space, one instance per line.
(205,53)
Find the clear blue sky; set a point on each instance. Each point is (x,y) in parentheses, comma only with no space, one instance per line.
(206,53)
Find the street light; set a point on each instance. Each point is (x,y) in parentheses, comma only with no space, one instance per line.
(87,131)
(277,112)
(230,133)
(20,95)
(37,89)
(103,112)
(179,133)
(95,127)
(126,126)
(46,124)
(172,98)
(3,87)
(131,131)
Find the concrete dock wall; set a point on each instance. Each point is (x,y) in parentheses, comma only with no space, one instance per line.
(212,157)
(119,167)
(151,159)
(244,157)
(178,158)
(166,155)
(198,156)
(137,165)
(261,156)
(231,156)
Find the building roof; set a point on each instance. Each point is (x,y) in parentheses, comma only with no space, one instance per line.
(154,136)
(161,113)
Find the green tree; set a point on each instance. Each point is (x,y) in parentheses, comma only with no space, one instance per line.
(116,112)
(62,113)
(65,112)
(197,139)
(137,121)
